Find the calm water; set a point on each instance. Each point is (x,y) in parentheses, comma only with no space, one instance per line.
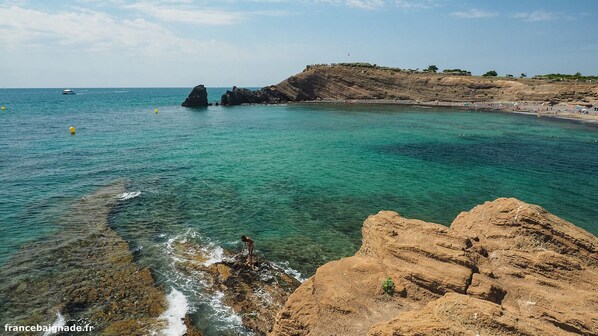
(300,180)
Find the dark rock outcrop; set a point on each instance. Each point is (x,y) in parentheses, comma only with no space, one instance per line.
(504,268)
(255,294)
(239,96)
(197,98)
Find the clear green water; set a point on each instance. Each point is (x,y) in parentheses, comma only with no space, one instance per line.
(298,179)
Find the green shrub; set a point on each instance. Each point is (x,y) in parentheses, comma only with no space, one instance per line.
(388,286)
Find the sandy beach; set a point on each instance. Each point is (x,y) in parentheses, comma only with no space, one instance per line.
(541,109)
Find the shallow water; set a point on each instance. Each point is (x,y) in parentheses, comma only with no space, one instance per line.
(298,179)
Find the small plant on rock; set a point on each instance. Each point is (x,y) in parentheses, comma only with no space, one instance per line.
(388,286)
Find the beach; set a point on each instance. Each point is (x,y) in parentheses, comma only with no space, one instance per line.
(563,111)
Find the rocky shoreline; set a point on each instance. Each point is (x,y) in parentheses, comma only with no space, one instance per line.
(84,273)
(504,268)
(347,84)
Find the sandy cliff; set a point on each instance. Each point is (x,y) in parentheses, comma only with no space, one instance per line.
(503,268)
(342,82)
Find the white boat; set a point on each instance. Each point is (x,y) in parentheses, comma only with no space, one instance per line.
(68,92)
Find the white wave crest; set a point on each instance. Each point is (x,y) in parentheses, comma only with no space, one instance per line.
(197,286)
(284,265)
(174,315)
(58,323)
(128,195)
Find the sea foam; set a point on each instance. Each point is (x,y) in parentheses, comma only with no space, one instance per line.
(128,195)
(177,309)
(59,322)
(284,265)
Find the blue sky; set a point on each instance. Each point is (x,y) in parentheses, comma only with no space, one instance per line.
(164,43)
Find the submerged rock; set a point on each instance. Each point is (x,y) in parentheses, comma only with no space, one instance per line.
(255,293)
(86,273)
(503,268)
(197,98)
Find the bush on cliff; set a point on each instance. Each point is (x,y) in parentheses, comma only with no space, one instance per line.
(388,286)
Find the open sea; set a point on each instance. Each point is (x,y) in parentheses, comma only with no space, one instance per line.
(299,179)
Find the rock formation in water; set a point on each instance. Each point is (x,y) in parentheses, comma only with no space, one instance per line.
(268,95)
(503,268)
(197,98)
(357,82)
(256,295)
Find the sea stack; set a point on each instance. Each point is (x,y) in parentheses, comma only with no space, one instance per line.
(197,98)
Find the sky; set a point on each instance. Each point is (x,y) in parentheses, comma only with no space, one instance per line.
(252,43)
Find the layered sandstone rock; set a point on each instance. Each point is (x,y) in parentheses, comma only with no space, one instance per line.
(504,268)
(345,82)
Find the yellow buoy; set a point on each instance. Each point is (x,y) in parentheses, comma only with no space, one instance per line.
(156,110)
(73,130)
(3,108)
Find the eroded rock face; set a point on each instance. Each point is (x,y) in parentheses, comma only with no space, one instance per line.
(339,82)
(255,294)
(197,98)
(504,268)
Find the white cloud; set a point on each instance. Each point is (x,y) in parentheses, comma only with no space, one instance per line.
(375,4)
(84,31)
(474,14)
(537,15)
(361,4)
(187,14)
(365,4)
(417,4)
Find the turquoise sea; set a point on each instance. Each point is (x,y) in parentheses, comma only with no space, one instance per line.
(299,179)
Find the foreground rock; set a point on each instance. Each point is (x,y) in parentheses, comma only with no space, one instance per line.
(255,294)
(503,268)
(197,98)
(344,82)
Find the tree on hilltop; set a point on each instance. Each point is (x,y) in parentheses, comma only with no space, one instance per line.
(490,73)
(523,75)
(431,68)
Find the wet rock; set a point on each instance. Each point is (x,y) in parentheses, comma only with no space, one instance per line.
(255,293)
(197,98)
(503,268)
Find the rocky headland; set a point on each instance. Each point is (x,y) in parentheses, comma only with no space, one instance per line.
(356,83)
(504,268)
(346,82)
